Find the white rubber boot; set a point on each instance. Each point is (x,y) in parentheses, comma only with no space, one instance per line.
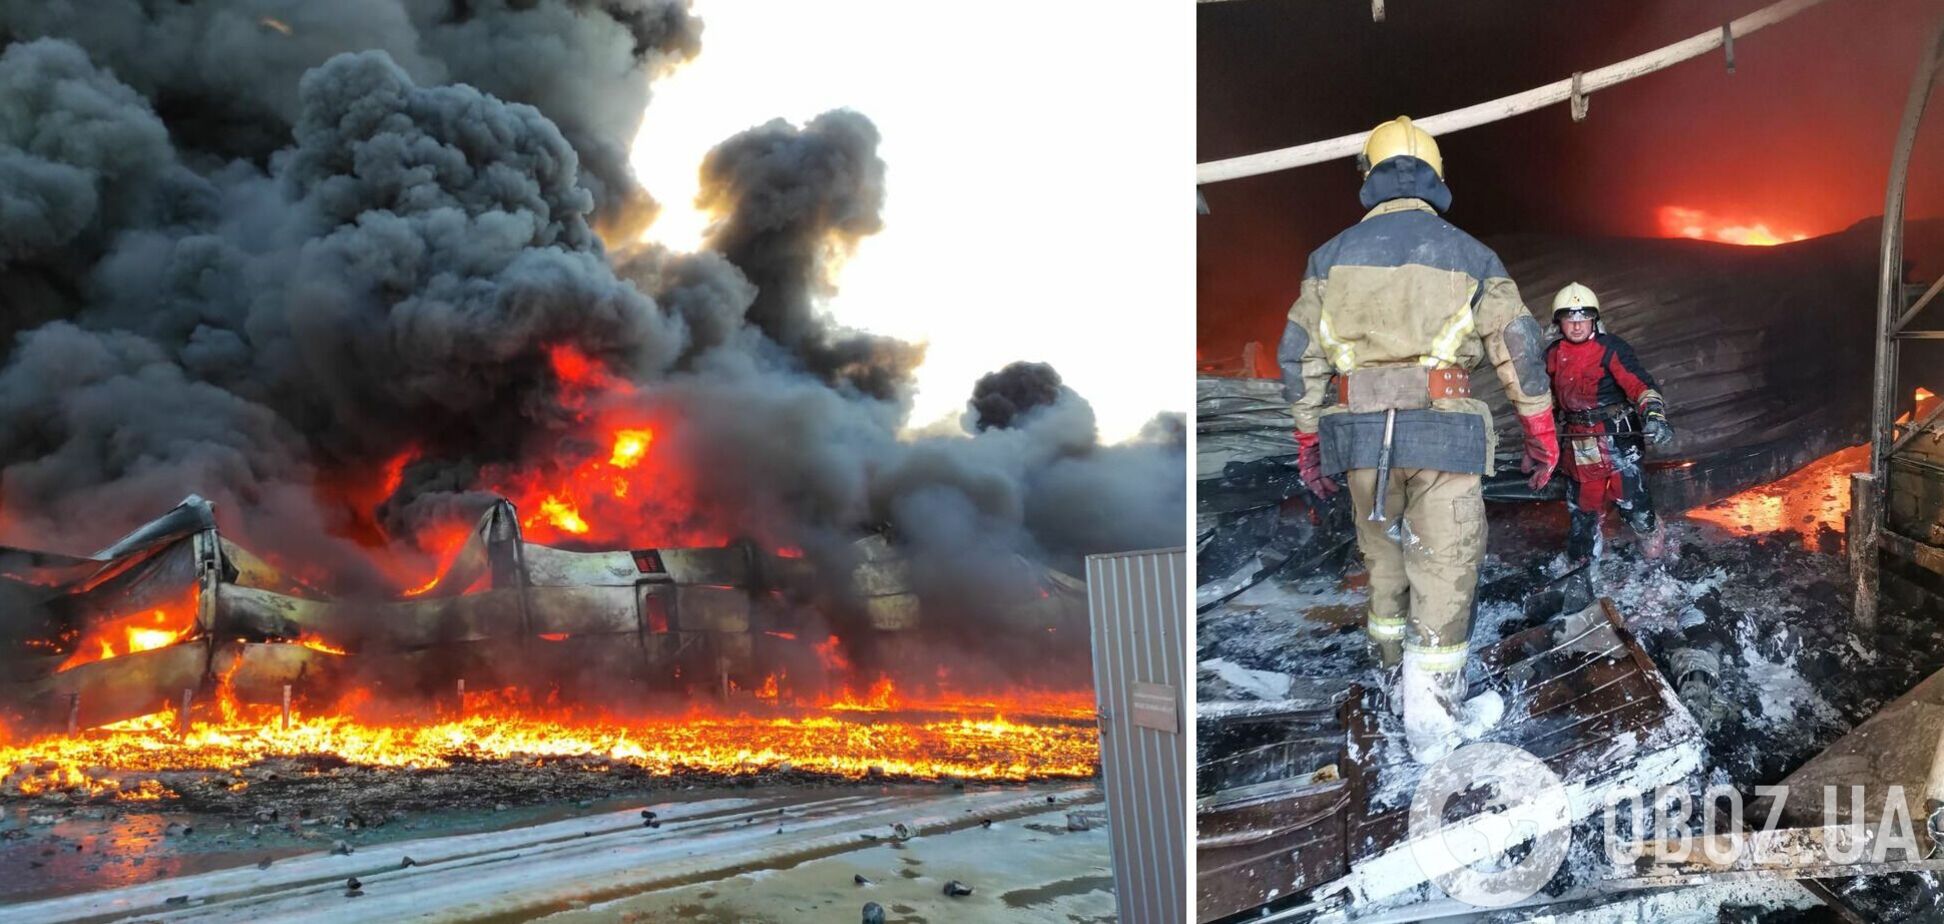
(1436,718)
(1480,714)
(1430,714)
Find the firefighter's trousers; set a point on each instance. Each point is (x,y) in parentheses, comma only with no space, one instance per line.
(1422,583)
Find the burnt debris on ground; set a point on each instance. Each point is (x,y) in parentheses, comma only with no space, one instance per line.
(1750,624)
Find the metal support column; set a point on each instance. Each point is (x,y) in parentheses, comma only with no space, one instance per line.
(1866,519)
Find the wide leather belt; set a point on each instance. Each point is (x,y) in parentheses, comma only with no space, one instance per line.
(1400,387)
(1600,414)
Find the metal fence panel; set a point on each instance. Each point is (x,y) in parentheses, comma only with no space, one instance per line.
(1137,605)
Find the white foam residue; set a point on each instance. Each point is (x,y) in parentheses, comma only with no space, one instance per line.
(1259,684)
(1782,691)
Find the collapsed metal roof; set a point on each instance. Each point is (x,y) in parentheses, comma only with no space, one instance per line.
(724,613)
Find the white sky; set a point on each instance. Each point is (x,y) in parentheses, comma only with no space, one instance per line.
(1040,161)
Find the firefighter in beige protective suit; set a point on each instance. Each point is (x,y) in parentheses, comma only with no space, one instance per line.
(1397,310)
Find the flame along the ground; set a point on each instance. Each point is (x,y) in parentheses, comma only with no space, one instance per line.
(877,734)
(1808,500)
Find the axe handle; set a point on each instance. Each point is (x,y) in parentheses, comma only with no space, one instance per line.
(1383,468)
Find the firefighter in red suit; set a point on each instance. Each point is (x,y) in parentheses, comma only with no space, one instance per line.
(1608,406)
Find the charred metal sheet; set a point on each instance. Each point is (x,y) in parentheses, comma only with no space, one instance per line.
(711,609)
(893,612)
(587,610)
(191,516)
(1782,853)
(1256,843)
(881,578)
(1580,694)
(551,567)
(257,672)
(789,574)
(472,564)
(728,567)
(244,568)
(357,625)
(1895,747)
(1272,812)
(117,688)
(252,611)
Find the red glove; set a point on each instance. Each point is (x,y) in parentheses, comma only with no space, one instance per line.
(1541,448)
(1309,462)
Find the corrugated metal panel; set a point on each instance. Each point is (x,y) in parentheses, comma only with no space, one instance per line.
(1137,604)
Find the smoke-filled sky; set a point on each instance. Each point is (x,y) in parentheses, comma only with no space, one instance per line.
(1010,190)
(352,269)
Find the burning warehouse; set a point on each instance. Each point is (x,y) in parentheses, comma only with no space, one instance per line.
(1652,254)
(508,495)
(174,603)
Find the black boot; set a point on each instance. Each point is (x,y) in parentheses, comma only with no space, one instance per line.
(1583,537)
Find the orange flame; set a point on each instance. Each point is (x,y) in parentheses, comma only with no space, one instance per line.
(317,644)
(1034,738)
(830,653)
(144,631)
(629,447)
(1676,221)
(1803,502)
(560,514)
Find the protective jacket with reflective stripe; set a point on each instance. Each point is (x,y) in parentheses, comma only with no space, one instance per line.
(1403,287)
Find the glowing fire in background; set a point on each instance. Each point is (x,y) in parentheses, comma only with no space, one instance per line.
(603,484)
(1676,221)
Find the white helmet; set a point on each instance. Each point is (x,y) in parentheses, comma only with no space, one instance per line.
(1576,303)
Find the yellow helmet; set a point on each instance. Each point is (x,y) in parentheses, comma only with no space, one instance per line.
(1399,138)
(1576,302)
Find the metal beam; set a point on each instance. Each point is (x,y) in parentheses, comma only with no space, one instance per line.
(1890,316)
(1922,300)
(1917,428)
(1559,91)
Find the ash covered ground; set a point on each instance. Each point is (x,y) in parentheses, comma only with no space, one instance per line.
(1762,582)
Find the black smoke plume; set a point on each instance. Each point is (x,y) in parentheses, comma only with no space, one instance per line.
(1000,398)
(247,249)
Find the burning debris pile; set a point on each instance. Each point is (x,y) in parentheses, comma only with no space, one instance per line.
(370,279)
(266,668)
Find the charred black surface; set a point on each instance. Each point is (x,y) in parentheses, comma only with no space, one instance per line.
(1772,608)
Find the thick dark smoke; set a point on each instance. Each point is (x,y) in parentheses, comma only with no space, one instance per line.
(225,75)
(1000,398)
(249,249)
(793,202)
